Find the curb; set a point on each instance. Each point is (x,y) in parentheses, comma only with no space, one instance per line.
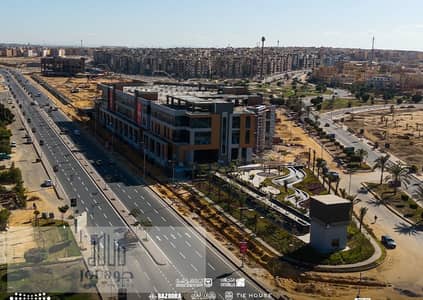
(389,207)
(210,243)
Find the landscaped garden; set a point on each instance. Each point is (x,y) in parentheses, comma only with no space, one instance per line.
(359,249)
(398,200)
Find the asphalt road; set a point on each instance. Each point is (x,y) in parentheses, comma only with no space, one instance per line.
(190,256)
(350,140)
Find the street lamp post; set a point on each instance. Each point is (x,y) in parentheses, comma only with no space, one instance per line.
(113,135)
(144,154)
(172,163)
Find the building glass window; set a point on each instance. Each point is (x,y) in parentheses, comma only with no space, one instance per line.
(236,122)
(202,138)
(235,137)
(248,122)
(200,123)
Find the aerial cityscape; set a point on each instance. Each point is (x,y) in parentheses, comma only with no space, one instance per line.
(211,150)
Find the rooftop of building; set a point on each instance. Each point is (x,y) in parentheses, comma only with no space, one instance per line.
(331,199)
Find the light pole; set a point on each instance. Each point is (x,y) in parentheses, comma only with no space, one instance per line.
(349,181)
(113,135)
(144,154)
(263,39)
(172,163)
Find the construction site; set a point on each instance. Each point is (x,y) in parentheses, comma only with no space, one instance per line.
(397,131)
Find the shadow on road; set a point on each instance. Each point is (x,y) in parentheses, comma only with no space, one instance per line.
(374,202)
(404,228)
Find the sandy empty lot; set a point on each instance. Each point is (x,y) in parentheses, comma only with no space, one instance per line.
(403,131)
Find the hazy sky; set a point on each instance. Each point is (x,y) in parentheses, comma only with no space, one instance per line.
(219,23)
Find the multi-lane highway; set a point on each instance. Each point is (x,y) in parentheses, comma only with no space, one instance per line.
(189,255)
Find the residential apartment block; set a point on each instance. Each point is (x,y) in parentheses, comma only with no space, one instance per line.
(205,62)
(184,126)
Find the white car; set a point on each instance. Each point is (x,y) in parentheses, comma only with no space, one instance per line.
(13,144)
(47,183)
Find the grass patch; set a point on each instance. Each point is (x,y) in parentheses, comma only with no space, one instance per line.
(360,249)
(54,277)
(311,184)
(58,241)
(399,201)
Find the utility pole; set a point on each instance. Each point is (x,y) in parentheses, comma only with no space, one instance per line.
(263,39)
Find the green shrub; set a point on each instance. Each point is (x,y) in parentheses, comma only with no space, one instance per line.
(413,205)
(404,197)
(35,255)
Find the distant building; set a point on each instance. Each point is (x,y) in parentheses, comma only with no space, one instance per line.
(330,216)
(265,126)
(60,66)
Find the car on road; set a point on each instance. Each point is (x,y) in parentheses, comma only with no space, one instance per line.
(4,156)
(13,144)
(388,242)
(55,168)
(362,190)
(41,142)
(33,129)
(29,120)
(327,125)
(47,183)
(76,132)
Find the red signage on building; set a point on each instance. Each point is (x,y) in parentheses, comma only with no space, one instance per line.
(138,113)
(243,246)
(111,103)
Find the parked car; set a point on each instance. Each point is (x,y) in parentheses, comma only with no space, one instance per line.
(47,183)
(41,142)
(327,125)
(55,168)
(76,132)
(4,156)
(13,144)
(388,242)
(362,190)
(33,129)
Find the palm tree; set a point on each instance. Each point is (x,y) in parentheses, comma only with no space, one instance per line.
(362,213)
(135,212)
(362,154)
(343,193)
(337,179)
(418,194)
(381,163)
(397,173)
(146,224)
(320,164)
(36,213)
(63,209)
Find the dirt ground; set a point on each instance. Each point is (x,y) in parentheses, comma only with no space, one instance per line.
(295,143)
(403,131)
(87,88)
